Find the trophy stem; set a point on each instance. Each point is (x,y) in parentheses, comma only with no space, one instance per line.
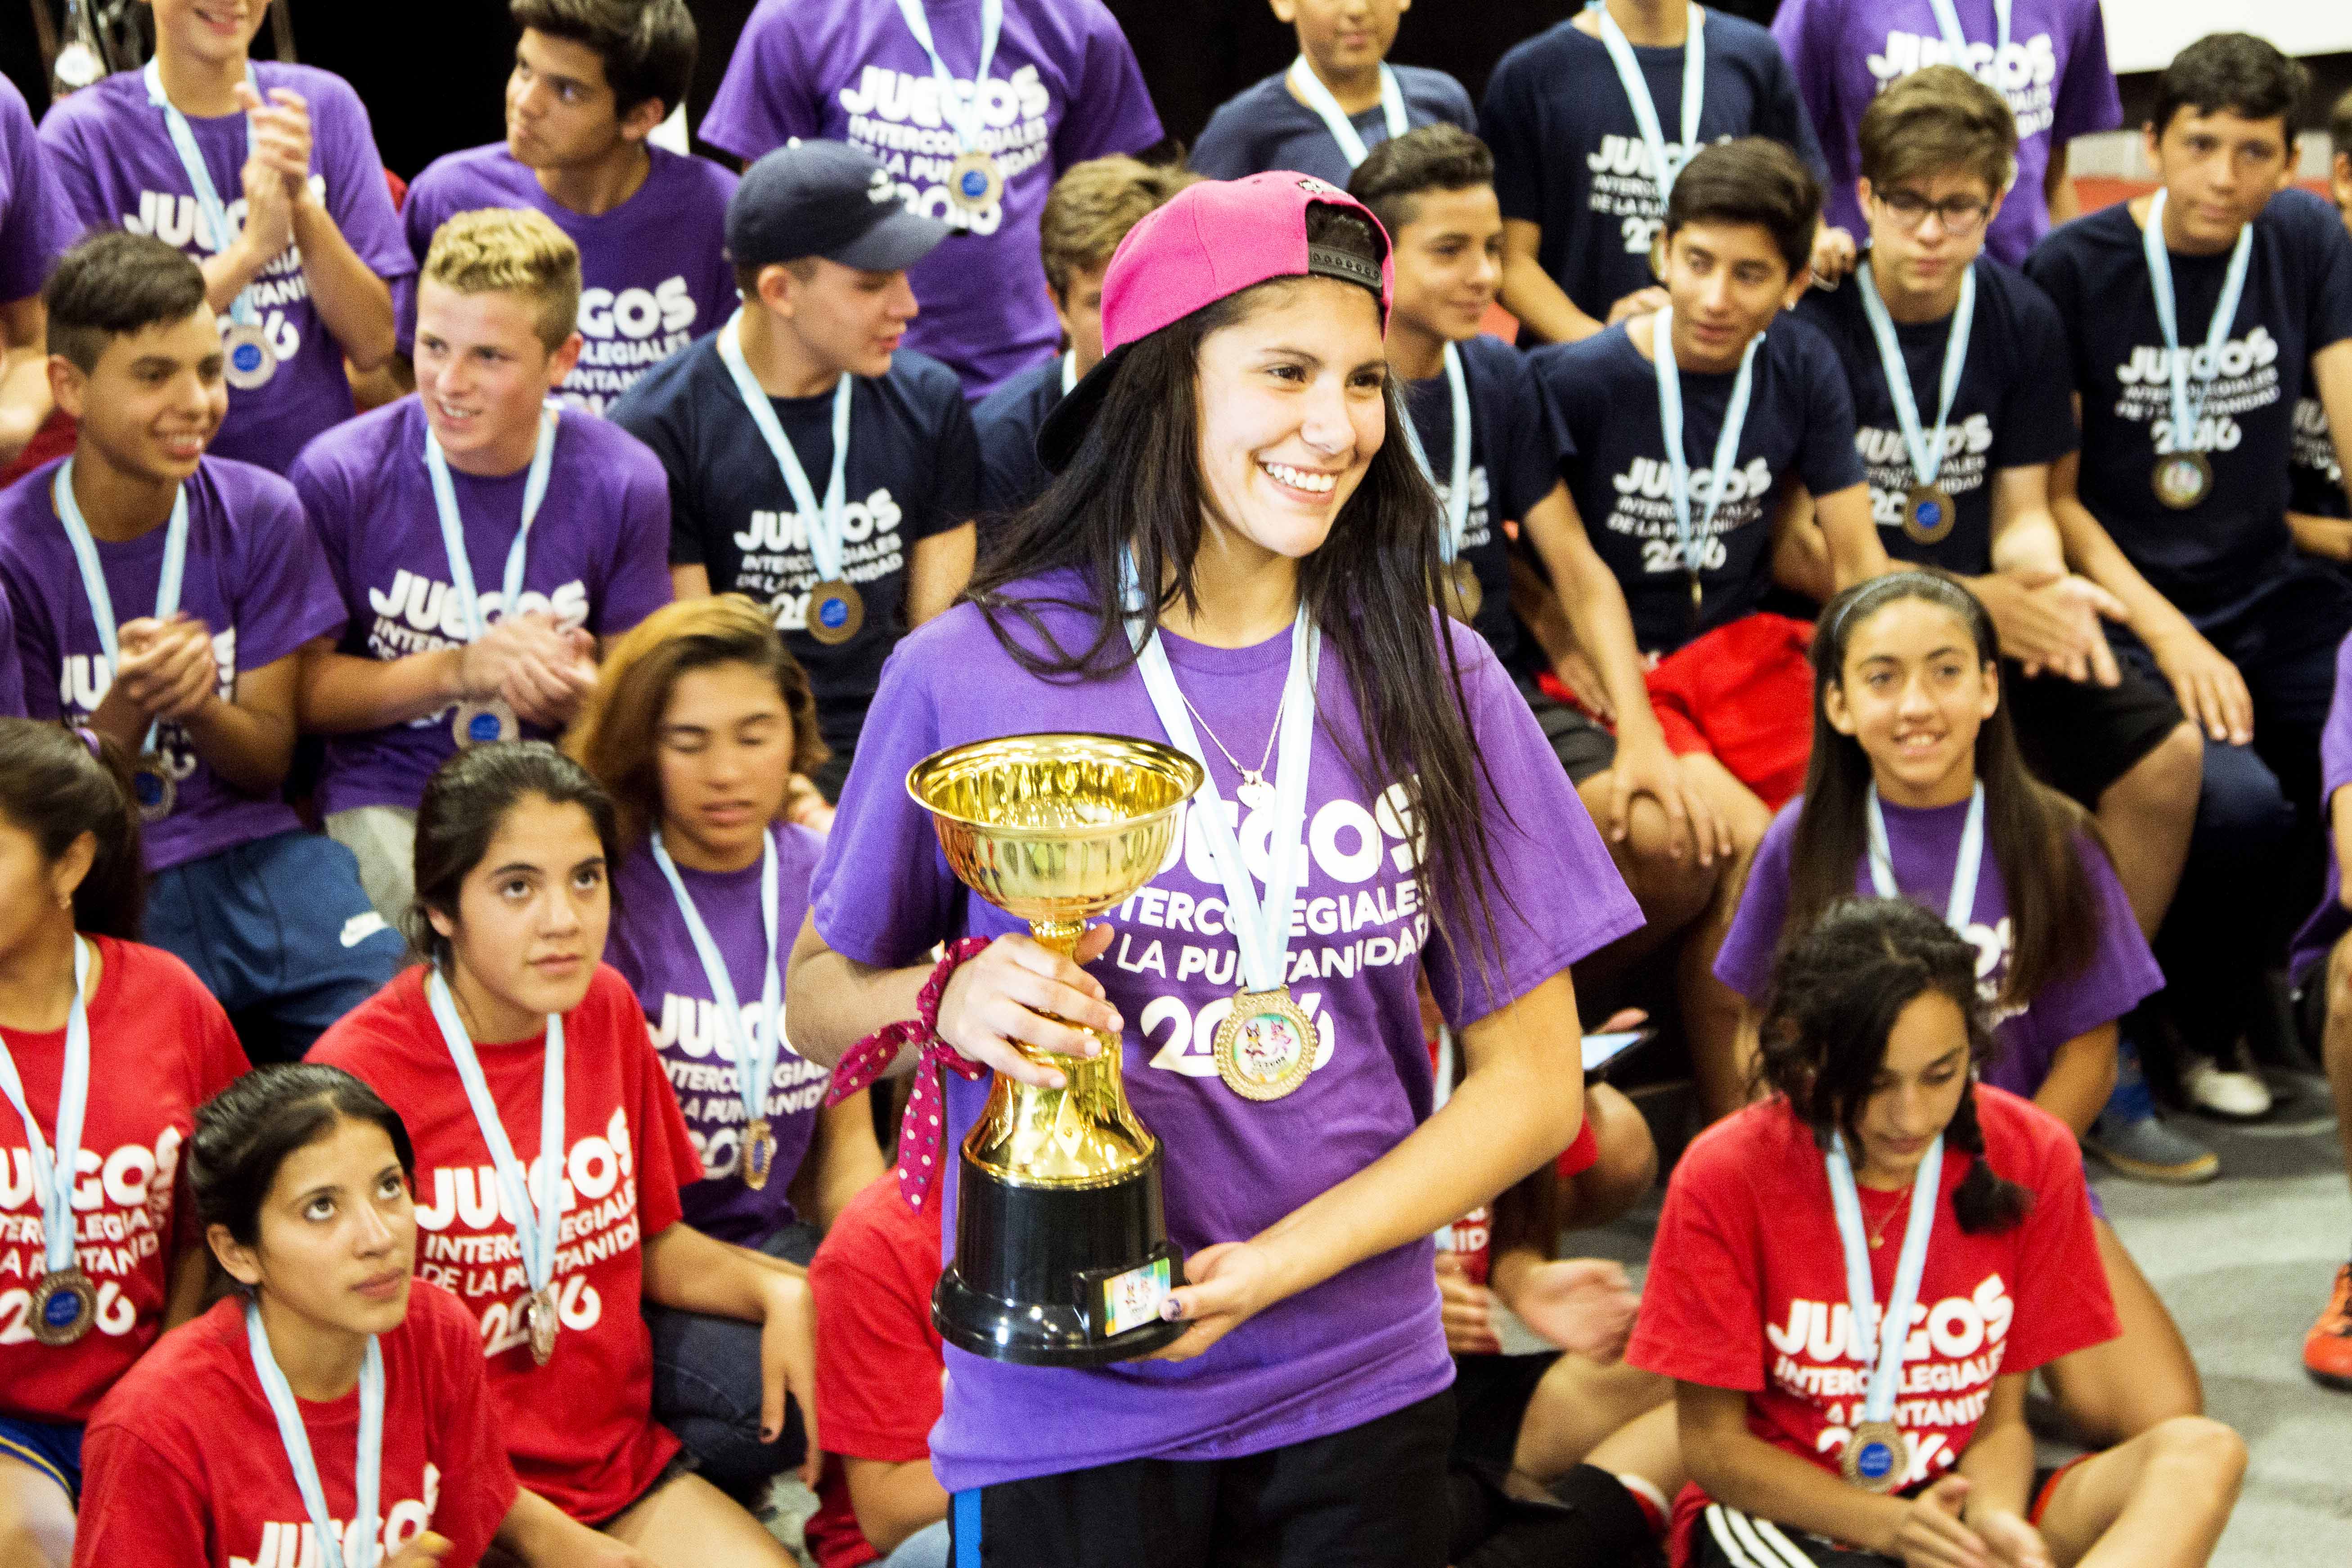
(1061,936)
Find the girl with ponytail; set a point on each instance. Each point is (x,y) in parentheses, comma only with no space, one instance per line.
(1880,1183)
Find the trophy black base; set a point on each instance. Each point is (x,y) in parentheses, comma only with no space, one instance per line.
(1031,1262)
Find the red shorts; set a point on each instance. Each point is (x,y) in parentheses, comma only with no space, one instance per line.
(1743,693)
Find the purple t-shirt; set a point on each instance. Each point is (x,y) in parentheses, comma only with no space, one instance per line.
(1925,847)
(1062,88)
(598,557)
(255,576)
(35,225)
(1368,1341)
(114,161)
(2054,75)
(650,946)
(12,674)
(2331,920)
(654,270)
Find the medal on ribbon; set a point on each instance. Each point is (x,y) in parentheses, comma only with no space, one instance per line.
(153,783)
(1694,539)
(367,1468)
(1458,587)
(248,360)
(836,610)
(1876,1456)
(2183,477)
(1928,513)
(64,1303)
(480,721)
(975,179)
(1309,89)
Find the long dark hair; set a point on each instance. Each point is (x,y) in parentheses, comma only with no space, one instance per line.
(2033,831)
(57,785)
(1834,998)
(466,800)
(1134,484)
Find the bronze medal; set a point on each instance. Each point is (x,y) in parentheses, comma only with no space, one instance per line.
(835,611)
(1873,1457)
(247,360)
(1929,514)
(1460,592)
(153,787)
(65,1304)
(479,723)
(1266,1046)
(975,182)
(2182,479)
(759,1152)
(538,1309)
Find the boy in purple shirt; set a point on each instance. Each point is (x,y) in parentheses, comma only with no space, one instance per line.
(2047,57)
(301,275)
(163,599)
(35,228)
(482,540)
(591,79)
(974,112)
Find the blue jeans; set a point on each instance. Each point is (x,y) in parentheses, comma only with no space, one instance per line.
(926,1548)
(707,1387)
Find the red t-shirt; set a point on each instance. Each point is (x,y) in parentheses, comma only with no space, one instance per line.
(159,1046)
(1747,1282)
(877,1357)
(581,1429)
(1471,1238)
(183,1465)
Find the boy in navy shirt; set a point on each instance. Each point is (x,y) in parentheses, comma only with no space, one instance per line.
(1087,212)
(1679,465)
(1335,102)
(1572,113)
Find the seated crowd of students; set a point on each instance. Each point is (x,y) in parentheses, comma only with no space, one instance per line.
(436,638)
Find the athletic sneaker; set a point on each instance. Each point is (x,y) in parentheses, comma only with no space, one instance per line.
(2234,1093)
(2130,1137)
(2327,1349)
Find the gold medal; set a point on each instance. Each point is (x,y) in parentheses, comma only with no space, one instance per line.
(1929,514)
(759,1152)
(1459,591)
(974,182)
(247,359)
(835,611)
(65,1304)
(1873,1457)
(538,1312)
(479,723)
(2182,479)
(1266,1047)
(153,787)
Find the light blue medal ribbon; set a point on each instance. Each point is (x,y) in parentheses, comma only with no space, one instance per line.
(153,781)
(975,181)
(536,1227)
(453,525)
(755,1051)
(367,1467)
(1927,455)
(252,359)
(1458,491)
(1879,1458)
(1070,372)
(2185,415)
(1665,171)
(1261,928)
(1318,96)
(1948,23)
(824,522)
(1727,441)
(54,1173)
(1961,903)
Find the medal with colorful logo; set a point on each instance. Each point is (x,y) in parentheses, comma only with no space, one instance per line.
(248,360)
(153,781)
(975,179)
(367,1465)
(2183,477)
(1877,1457)
(1726,443)
(64,1302)
(836,610)
(1458,582)
(1310,91)
(1928,510)
(536,1225)
(480,721)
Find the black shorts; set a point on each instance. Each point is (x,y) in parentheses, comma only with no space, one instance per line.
(1491,1396)
(1370,1496)
(1723,1537)
(2080,737)
(1583,747)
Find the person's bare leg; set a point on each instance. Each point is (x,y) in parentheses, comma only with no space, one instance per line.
(1626,1168)
(36,1521)
(1672,892)
(1720,1059)
(2336,1041)
(2138,1381)
(2157,1501)
(1576,1407)
(689,1523)
(1650,1446)
(2146,816)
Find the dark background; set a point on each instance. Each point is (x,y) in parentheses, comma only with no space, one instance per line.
(432,72)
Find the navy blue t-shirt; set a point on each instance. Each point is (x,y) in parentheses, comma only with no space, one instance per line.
(1516,449)
(1800,423)
(914,471)
(1569,154)
(2315,478)
(1008,420)
(2213,559)
(2013,409)
(1262,127)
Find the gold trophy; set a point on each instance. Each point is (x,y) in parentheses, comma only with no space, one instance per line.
(1062,1253)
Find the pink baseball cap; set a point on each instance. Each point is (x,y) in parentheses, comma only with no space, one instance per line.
(1209,241)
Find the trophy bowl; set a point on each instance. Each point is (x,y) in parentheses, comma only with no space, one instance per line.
(1062,1250)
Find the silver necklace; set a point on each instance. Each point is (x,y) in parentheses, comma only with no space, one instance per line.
(1252,791)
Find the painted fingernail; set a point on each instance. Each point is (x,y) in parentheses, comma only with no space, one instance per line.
(1118,1024)
(1171,1309)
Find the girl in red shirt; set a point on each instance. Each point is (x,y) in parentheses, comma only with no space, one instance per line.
(301,1178)
(511,1039)
(1881,1181)
(106,1049)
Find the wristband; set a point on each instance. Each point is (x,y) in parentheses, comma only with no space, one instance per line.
(919,1131)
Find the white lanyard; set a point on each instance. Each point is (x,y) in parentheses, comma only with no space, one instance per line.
(1894,1330)
(200,178)
(967,124)
(755,1051)
(1457,493)
(1318,96)
(1948,22)
(824,522)
(1961,904)
(1926,457)
(1645,109)
(367,1470)
(1727,441)
(535,1227)
(1070,372)
(453,524)
(2217,332)
(1261,928)
(93,573)
(53,1176)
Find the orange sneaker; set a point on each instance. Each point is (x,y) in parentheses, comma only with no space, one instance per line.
(2327,1349)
